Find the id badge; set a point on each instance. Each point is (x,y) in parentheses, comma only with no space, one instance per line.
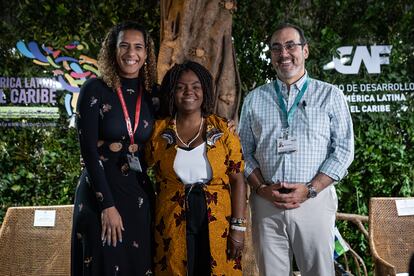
(133,162)
(287,145)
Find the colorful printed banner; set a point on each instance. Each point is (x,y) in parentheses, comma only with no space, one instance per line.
(69,68)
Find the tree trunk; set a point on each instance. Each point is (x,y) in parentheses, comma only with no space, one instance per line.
(200,30)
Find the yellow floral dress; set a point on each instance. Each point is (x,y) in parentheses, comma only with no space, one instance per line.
(225,157)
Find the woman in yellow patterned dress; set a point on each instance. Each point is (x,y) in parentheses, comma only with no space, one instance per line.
(201,194)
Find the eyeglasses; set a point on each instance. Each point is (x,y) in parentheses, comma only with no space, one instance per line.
(290,47)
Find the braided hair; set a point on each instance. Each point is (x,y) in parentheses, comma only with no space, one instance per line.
(108,65)
(170,81)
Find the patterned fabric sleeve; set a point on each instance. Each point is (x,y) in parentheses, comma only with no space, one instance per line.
(235,161)
(149,148)
(88,128)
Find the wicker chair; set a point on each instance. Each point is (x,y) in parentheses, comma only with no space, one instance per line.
(391,237)
(29,250)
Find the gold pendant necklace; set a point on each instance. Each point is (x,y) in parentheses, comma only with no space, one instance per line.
(192,140)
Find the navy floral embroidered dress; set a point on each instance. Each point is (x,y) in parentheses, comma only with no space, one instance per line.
(107,181)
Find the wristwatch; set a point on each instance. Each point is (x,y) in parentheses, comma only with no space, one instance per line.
(311,190)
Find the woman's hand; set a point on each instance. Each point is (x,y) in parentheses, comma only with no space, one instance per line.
(235,239)
(112,226)
(235,244)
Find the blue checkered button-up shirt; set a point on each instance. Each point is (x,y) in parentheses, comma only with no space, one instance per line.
(321,124)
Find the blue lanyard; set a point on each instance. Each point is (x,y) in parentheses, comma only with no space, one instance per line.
(293,108)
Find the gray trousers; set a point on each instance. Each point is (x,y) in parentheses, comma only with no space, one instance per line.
(306,232)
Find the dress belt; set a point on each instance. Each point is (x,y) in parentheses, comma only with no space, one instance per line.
(117,146)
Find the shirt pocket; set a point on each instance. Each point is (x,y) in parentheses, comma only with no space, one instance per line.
(267,120)
(314,120)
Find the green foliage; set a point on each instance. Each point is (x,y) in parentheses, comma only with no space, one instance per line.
(38,166)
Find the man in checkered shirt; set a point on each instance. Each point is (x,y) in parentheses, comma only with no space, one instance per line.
(297,140)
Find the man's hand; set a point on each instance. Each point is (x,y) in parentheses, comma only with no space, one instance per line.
(267,191)
(297,194)
(284,195)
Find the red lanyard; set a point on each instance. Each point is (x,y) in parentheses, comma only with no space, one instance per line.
(126,115)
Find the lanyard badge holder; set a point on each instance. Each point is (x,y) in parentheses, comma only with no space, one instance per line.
(133,161)
(286,144)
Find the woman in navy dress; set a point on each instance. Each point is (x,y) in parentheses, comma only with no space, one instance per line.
(112,210)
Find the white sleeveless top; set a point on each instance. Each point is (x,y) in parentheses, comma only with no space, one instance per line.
(192,166)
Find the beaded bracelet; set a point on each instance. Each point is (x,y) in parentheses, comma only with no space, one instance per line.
(237,221)
(238,228)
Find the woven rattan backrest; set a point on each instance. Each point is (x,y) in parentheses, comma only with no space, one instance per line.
(392,236)
(41,251)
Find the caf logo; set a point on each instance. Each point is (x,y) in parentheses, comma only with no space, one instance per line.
(372,60)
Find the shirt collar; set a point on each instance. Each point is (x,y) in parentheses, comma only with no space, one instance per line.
(298,84)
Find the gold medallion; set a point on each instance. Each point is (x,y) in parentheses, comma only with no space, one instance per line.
(133,148)
(115,147)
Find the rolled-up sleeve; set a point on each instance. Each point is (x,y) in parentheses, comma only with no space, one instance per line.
(341,152)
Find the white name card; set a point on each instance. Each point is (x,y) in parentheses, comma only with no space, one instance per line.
(44,218)
(405,207)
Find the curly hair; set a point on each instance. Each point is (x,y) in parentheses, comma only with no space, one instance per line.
(170,81)
(108,65)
